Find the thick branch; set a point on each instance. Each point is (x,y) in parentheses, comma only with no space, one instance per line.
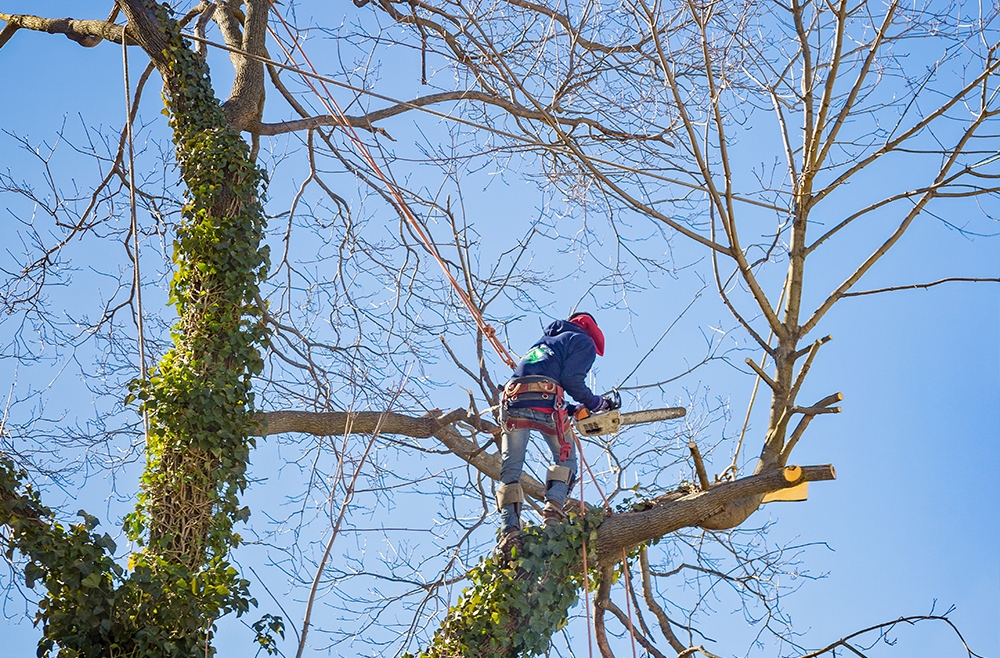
(245,104)
(627,531)
(654,607)
(418,427)
(87,33)
(421,427)
(336,423)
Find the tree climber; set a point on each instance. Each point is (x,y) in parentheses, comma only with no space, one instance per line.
(533,400)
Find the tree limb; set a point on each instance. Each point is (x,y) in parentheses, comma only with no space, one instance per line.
(419,427)
(922,286)
(87,33)
(654,607)
(361,422)
(366,120)
(707,509)
(723,506)
(245,104)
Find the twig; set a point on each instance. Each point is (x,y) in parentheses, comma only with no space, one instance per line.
(915,286)
(699,466)
(886,626)
(760,373)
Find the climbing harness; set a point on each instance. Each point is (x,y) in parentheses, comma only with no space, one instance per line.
(535,388)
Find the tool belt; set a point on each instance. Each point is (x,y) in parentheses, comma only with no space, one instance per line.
(540,394)
(533,387)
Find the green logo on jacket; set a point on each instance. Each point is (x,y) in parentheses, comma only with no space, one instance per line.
(538,353)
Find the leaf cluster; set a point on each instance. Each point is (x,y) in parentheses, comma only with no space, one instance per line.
(92,605)
(514,606)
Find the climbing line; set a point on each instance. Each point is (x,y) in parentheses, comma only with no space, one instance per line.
(586,579)
(586,464)
(134,227)
(586,574)
(628,600)
(399,202)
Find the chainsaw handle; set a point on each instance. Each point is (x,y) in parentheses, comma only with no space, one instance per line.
(614,399)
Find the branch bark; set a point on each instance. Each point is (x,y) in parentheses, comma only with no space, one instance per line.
(418,427)
(362,422)
(245,104)
(87,33)
(710,509)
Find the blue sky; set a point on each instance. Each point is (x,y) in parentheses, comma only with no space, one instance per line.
(911,523)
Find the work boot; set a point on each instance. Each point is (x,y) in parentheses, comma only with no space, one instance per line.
(510,538)
(552,513)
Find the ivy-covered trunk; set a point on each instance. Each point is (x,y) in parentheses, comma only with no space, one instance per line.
(199,404)
(516,601)
(199,400)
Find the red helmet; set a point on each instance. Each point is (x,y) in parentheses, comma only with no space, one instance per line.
(587,322)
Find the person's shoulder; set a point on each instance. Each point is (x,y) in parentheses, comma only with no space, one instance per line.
(579,341)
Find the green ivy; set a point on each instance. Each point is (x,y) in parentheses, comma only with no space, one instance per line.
(200,408)
(513,607)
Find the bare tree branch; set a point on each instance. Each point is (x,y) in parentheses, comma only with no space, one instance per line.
(922,286)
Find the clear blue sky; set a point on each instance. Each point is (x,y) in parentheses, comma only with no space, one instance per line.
(911,523)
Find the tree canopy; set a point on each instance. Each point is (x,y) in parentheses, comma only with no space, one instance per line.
(245,326)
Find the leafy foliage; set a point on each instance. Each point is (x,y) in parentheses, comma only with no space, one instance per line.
(514,606)
(265,628)
(200,410)
(199,402)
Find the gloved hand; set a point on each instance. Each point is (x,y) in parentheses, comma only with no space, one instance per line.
(605,405)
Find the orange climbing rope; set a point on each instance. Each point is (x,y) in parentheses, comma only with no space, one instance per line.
(586,577)
(402,207)
(487,330)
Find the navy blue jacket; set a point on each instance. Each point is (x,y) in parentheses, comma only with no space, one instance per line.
(565,353)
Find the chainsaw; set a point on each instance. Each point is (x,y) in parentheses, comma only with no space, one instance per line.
(590,423)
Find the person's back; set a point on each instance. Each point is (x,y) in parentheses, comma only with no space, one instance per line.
(533,399)
(565,354)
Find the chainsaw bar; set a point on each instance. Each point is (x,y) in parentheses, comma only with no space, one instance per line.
(608,422)
(652,415)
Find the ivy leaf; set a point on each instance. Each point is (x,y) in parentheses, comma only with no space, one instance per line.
(89,521)
(92,581)
(32,572)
